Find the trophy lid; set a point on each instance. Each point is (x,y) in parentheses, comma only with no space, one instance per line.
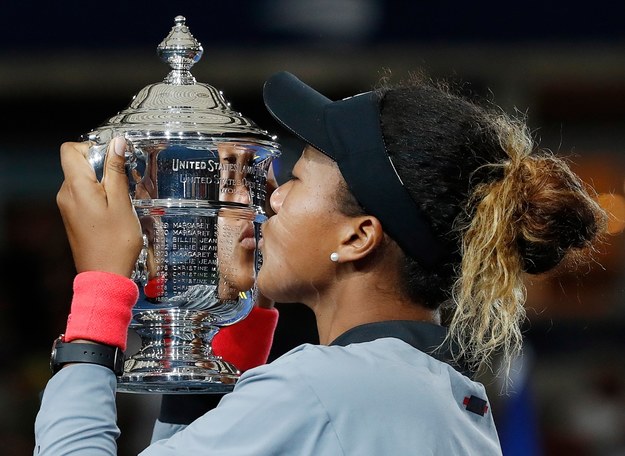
(179,107)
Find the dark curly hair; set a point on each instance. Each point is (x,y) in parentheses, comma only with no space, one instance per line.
(500,205)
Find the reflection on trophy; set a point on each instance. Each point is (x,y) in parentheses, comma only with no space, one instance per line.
(236,236)
(197,173)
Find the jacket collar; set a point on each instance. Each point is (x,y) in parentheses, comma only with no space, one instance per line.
(426,337)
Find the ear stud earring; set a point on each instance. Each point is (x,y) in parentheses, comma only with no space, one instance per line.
(334,257)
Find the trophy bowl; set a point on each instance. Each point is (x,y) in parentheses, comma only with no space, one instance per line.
(197,178)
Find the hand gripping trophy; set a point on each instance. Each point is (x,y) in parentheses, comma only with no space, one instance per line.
(197,173)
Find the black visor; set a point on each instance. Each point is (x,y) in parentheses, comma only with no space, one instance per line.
(349,132)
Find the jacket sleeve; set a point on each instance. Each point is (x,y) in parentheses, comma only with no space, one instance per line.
(78,413)
(272,410)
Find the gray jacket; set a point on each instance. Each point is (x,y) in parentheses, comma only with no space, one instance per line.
(367,394)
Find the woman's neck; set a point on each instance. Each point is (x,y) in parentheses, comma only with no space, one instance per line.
(359,301)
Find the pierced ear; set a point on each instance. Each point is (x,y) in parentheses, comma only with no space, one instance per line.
(364,236)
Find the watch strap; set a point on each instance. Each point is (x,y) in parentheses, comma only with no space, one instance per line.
(74,352)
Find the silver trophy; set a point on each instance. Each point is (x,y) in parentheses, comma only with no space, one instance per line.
(197,173)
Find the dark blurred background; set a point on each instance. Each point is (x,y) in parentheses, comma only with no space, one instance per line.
(66,66)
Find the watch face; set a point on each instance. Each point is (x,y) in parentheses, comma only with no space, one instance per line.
(119,363)
(53,365)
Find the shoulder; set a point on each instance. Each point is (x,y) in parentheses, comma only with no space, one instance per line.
(363,367)
(385,384)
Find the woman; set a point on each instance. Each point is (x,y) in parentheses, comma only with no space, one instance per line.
(403,200)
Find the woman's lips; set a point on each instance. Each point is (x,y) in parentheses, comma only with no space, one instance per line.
(247,240)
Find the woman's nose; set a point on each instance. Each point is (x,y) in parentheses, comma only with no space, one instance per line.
(276,198)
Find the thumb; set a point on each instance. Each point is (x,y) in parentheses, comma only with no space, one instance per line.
(115,181)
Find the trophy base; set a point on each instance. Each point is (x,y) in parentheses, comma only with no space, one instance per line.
(210,376)
(176,355)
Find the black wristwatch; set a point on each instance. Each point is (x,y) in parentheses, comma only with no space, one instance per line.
(74,352)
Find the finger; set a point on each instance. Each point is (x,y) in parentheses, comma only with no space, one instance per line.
(114,180)
(74,161)
(80,180)
(63,199)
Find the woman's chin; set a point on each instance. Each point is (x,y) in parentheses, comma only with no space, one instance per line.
(265,287)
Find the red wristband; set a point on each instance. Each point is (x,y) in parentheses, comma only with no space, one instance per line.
(246,344)
(101,308)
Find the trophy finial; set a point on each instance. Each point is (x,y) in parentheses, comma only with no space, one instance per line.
(181,51)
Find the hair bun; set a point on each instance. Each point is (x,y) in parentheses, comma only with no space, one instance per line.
(557,213)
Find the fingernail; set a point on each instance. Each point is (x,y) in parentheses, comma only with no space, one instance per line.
(120,146)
